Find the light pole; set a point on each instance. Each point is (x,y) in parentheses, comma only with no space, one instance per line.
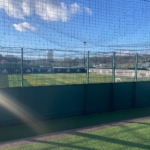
(84,51)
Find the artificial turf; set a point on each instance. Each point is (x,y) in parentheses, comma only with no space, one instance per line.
(56,125)
(51,79)
(56,79)
(133,136)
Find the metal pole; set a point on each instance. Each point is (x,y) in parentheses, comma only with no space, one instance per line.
(113,67)
(136,66)
(87,69)
(22,67)
(22,81)
(84,52)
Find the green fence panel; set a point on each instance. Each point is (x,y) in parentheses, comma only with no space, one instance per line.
(123,95)
(70,100)
(98,97)
(142,94)
(8,113)
(56,101)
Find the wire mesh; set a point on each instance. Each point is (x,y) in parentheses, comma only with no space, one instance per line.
(100,67)
(144,67)
(10,64)
(54,24)
(56,36)
(43,67)
(125,66)
(53,67)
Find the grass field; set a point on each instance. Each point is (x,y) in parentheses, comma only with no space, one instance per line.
(134,136)
(56,125)
(55,79)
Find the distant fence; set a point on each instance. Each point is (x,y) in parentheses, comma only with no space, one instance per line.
(42,67)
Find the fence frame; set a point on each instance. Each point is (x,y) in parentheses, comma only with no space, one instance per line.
(86,60)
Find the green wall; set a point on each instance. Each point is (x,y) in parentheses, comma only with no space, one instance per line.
(56,101)
(98,97)
(142,94)
(123,95)
(71,100)
(14,96)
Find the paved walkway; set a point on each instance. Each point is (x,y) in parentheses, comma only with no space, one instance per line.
(46,137)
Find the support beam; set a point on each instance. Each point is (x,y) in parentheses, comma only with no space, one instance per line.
(113,67)
(87,69)
(136,67)
(22,84)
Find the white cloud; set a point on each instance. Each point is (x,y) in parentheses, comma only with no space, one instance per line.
(24,27)
(50,10)
(75,8)
(26,7)
(88,10)
(12,8)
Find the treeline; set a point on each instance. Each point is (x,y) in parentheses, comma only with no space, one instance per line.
(9,59)
(94,61)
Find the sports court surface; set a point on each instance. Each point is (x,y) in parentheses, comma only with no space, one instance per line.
(126,129)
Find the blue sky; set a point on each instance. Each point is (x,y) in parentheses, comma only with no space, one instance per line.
(66,24)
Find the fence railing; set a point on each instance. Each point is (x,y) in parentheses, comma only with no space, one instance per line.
(37,67)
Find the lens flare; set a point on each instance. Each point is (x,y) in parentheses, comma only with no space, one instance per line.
(22,112)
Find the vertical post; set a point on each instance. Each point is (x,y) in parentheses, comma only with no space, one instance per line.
(113,67)
(84,52)
(136,66)
(22,67)
(87,81)
(135,80)
(113,81)
(22,85)
(87,69)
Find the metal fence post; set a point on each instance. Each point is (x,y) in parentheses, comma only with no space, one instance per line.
(87,81)
(113,67)
(22,83)
(87,69)
(136,66)
(22,67)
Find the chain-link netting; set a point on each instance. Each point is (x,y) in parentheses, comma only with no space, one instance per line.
(56,36)
(125,67)
(53,24)
(43,67)
(144,67)
(53,67)
(100,67)
(10,67)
